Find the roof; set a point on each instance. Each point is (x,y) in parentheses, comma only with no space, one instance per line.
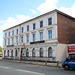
(43,15)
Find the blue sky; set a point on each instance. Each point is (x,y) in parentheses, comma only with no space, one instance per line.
(13,12)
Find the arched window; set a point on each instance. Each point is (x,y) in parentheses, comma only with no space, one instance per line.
(4,53)
(27,53)
(12,53)
(49,52)
(41,52)
(15,52)
(8,53)
(33,52)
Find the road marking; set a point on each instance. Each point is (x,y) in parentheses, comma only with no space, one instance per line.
(5,67)
(29,72)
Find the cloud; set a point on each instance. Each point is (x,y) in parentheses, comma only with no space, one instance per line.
(33,11)
(13,21)
(69,11)
(49,5)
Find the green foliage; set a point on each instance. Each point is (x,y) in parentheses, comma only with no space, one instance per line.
(0,49)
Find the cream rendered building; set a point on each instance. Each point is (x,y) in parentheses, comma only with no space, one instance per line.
(35,39)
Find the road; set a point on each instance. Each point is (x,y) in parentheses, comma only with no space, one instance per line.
(12,68)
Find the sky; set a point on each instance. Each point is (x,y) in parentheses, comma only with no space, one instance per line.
(13,12)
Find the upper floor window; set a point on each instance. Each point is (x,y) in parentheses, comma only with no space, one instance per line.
(27,38)
(27,28)
(9,33)
(21,38)
(12,32)
(34,26)
(9,41)
(12,41)
(49,21)
(41,35)
(17,31)
(16,39)
(34,37)
(5,34)
(5,42)
(41,24)
(22,29)
(50,34)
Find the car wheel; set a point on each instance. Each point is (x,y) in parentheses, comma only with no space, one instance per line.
(66,67)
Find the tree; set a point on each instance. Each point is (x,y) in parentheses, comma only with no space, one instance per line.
(0,49)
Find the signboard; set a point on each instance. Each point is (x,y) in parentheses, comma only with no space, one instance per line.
(71,49)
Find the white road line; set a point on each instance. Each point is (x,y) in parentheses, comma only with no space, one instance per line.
(5,67)
(29,72)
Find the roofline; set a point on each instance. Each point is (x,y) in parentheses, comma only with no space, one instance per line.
(64,14)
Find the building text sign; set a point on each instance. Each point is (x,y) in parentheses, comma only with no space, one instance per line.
(71,49)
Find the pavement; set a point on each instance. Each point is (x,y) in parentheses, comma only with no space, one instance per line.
(13,68)
(35,63)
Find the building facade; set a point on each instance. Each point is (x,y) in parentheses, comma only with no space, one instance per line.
(42,38)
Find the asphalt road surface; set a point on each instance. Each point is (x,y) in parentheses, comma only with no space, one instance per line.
(12,68)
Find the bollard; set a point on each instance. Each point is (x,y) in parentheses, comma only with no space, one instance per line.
(57,63)
(46,62)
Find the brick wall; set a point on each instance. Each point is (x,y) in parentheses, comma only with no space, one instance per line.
(66,29)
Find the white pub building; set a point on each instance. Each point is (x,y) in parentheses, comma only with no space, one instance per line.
(38,39)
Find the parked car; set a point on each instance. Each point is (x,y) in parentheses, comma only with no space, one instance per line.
(69,62)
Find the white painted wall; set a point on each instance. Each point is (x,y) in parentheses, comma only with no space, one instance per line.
(45,29)
(61,52)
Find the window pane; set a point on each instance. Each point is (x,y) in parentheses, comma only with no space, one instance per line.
(41,24)
(16,39)
(27,28)
(49,52)
(22,29)
(34,37)
(22,39)
(50,34)
(41,52)
(41,36)
(27,53)
(9,33)
(12,32)
(49,21)
(33,52)
(27,38)
(34,26)
(12,41)
(17,31)
(5,34)
(8,41)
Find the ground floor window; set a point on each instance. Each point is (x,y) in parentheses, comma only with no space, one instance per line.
(41,52)
(4,53)
(16,53)
(33,52)
(8,53)
(27,53)
(12,53)
(49,52)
